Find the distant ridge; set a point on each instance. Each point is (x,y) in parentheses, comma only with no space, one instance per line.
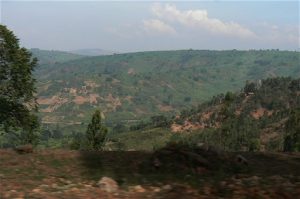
(92,52)
(48,57)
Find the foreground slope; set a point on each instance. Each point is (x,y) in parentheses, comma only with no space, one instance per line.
(131,86)
(74,174)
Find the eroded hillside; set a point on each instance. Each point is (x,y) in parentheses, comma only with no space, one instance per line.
(260,110)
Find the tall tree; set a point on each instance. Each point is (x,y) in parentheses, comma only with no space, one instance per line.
(292,127)
(96,132)
(17,89)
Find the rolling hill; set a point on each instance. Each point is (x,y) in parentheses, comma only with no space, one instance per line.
(133,86)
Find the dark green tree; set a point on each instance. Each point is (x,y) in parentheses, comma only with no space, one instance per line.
(96,132)
(159,121)
(17,89)
(292,127)
(250,87)
(229,97)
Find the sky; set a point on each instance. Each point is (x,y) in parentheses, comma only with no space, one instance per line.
(131,26)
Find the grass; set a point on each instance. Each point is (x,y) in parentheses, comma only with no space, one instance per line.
(145,140)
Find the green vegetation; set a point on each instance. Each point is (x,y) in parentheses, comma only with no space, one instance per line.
(129,87)
(292,137)
(140,140)
(147,99)
(47,57)
(17,89)
(96,132)
(265,119)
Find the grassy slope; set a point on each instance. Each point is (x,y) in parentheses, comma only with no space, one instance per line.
(148,83)
(145,140)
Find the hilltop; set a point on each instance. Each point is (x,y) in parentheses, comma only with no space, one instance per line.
(49,57)
(92,52)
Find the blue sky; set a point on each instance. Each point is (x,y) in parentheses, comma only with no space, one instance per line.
(143,26)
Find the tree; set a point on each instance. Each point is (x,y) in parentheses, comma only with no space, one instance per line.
(292,127)
(17,101)
(229,97)
(29,133)
(96,132)
(250,87)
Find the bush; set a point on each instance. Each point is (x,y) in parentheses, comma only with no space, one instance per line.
(254,145)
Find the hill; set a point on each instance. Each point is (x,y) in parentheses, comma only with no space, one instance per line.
(263,116)
(92,52)
(258,118)
(49,57)
(128,87)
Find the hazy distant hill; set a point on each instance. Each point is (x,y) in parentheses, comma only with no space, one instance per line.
(53,56)
(92,52)
(137,85)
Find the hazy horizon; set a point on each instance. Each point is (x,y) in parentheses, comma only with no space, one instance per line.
(148,26)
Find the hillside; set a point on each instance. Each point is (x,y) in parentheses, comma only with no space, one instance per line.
(128,87)
(254,119)
(263,116)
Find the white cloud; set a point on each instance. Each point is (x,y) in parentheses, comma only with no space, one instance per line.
(170,27)
(199,19)
(275,34)
(155,26)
